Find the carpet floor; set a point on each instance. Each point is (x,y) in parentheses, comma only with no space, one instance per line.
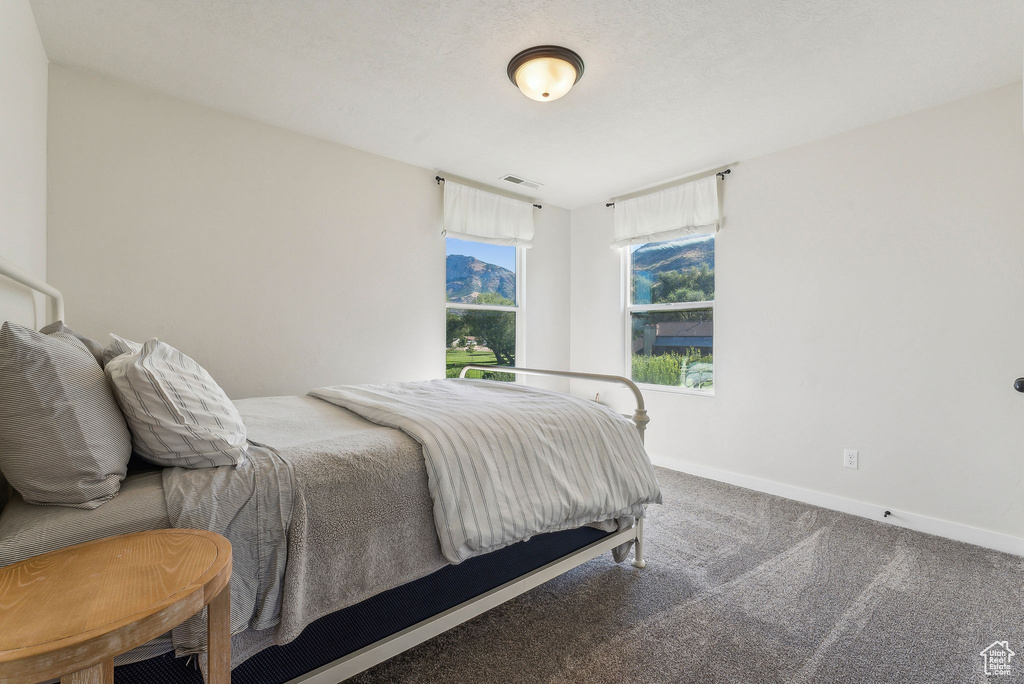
(746,587)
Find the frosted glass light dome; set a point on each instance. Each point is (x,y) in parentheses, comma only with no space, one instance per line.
(545,73)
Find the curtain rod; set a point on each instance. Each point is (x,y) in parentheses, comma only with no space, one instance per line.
(720,174)
(440,180)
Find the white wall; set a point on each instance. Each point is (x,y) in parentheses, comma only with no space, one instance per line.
(22,155)
(279,261)
(545,316)
(870,295)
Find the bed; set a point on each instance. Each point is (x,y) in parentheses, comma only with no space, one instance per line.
(341,556)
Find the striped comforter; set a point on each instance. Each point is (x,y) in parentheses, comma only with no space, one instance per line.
(506,461)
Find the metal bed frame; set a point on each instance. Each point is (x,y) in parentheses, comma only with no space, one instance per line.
(382,650)
(25,278)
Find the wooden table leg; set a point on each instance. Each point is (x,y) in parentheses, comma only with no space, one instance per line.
(100,673)
(218,638)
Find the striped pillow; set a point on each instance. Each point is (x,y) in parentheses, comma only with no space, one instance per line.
(94,347)
(63,441)
(177,414)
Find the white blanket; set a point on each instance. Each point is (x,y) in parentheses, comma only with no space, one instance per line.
(505,461)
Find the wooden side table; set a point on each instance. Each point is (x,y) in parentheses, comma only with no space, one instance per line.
(74,609)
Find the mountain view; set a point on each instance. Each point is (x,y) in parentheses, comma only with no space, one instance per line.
(659,257)
(467,278)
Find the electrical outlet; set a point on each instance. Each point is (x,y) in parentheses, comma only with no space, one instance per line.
(850,458)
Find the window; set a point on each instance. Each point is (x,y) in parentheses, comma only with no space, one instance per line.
(482,305)
(670,313)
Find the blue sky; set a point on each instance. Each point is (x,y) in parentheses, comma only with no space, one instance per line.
(499,255)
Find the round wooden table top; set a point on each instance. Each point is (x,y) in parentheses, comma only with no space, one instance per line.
(79,605)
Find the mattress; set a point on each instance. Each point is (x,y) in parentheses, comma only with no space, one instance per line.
(27,530)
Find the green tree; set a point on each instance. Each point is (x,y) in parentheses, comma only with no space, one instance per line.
(692,285)
(456,327)
(496,329)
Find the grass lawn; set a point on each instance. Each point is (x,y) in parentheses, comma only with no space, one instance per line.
(455,359)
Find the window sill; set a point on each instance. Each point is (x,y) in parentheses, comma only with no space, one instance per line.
(668,389)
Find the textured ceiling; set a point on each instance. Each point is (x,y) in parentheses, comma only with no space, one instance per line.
(670,86)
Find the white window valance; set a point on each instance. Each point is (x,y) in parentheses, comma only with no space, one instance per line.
(474,214)
(667,214)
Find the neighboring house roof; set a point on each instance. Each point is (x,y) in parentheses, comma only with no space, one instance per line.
(680,334)
(685,329)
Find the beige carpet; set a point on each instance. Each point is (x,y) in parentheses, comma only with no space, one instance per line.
(746,587)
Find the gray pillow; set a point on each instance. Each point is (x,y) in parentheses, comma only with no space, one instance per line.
(94,347)
(63,440)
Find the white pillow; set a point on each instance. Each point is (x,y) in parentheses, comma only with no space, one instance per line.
(117,346)
(177,414)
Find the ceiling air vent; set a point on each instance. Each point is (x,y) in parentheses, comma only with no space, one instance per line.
(522,182)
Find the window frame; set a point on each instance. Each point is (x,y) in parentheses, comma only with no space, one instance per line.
(627,333)
(516,310)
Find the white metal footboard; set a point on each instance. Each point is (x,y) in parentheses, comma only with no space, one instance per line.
(639,417)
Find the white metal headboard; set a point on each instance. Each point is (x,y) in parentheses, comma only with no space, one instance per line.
(28,280)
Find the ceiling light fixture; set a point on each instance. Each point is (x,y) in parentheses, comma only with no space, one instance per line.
(546,72)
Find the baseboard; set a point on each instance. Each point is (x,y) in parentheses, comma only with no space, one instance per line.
(913,521)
